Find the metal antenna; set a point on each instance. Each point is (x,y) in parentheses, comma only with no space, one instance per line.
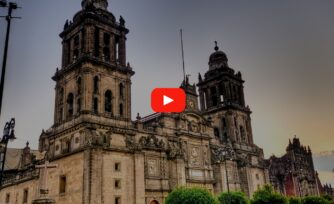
(184,70)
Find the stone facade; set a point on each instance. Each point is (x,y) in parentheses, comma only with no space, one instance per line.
(293,174)
(102,156)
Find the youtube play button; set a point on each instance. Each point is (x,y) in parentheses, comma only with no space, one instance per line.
(168,100)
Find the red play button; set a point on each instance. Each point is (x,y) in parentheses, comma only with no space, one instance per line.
(168,100)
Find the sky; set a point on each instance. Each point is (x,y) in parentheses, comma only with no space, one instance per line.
(284,49)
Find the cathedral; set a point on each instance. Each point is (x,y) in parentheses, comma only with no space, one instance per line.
(95,153)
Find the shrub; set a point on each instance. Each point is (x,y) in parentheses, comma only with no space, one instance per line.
(267,195)
(314,200)
(183,195)
(294,200)
(328,197)
(234,197)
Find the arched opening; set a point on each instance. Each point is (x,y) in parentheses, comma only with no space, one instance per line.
(70,100)
(154,202)
(121,90)
(96,84)
(214,99)
(243,134)
(68,146)
(106,53)
(224,123)
(216,132)
(79,85)
(95,105)
(108,101)
(121,109)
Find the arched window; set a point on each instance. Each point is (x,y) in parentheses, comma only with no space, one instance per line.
(121,90)
(79,85)
(224,123)
(121,109)
(75,54)
(214,99)
(95,105)
(96,84)
(70,101)
(108,101)
(154,202)
(216,132)
(243,134)
(106,53)
(106,39)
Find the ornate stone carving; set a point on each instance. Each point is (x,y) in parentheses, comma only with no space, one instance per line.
(220,153)
(193,126)
(243,160)
(195,153)
(98,138)
(130,143)
(206,156)
(164,168)
(174,150)
(184,148)
(152,169)
(151,142)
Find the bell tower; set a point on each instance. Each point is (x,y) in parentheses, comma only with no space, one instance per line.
(221,94)
(94,78)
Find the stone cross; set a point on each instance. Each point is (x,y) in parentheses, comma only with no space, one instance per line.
(44,188)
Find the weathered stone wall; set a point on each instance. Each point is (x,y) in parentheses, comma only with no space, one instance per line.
(16,192)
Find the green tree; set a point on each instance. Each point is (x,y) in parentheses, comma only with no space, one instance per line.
(314,200)
(328,197)
(183,195)
(267,195)
(294,200)
(234,197)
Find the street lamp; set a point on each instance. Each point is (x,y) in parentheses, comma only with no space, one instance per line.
(11,6)
(223,154)
(8,135)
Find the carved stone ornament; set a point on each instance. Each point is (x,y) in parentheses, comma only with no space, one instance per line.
(242,160)
(221,153)
(174,150)
(151,142)
(97,138)
(130,143)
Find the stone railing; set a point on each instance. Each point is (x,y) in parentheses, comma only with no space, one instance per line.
(20,177)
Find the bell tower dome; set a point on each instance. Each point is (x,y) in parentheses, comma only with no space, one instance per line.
(98,4)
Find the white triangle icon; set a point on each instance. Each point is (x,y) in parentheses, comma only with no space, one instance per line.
(167,100)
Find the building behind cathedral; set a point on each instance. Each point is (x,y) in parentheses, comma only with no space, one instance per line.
(102,156)
(293,174)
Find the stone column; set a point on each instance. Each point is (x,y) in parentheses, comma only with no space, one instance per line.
(139,176)
(180,172)
(122,50)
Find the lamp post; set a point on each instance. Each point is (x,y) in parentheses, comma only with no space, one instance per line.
(225,153)
(8,135)
(11,6)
